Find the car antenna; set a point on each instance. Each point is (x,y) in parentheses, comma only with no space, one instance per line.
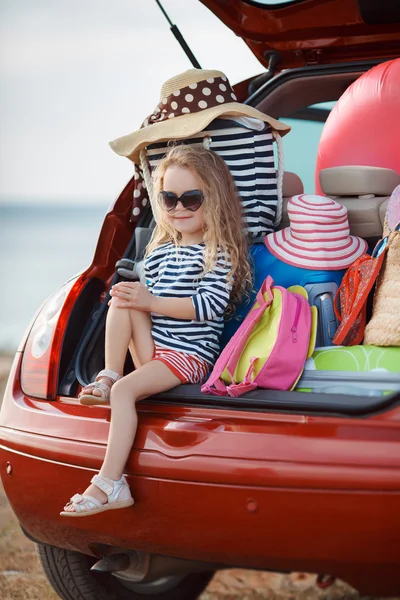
(180,38)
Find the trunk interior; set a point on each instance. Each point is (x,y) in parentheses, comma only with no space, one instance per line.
(290,95)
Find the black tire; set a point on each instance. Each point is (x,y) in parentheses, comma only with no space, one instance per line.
(69,574)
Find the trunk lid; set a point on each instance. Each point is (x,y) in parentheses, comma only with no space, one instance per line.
(309,32)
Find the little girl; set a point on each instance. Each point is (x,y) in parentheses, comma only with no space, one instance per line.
(196,267)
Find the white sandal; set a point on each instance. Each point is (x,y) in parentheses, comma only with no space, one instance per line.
(118,496)
(88,399)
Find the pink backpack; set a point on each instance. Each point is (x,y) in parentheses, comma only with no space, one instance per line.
(270,347)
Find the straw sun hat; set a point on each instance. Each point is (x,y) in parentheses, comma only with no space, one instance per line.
(188,103)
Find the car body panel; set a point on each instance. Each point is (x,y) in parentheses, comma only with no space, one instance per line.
(181,440)
(239,472)
(309,32)
(275,528)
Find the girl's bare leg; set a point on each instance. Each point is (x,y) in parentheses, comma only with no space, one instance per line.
(141,345)
(124,327)
(152,378)
(126,330)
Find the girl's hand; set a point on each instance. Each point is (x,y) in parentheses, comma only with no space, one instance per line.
(129,294)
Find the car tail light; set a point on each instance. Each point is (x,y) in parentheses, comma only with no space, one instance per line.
(41,359)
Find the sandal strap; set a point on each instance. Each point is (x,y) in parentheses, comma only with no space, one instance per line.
(112,375)
(84,503)
(104,484)
(103,387)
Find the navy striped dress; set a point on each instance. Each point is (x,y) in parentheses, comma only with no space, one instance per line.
(246,145)
(177,272)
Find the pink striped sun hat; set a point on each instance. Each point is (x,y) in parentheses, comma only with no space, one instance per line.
(318,236)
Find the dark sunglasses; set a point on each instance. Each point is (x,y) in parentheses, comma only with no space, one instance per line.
(191,200)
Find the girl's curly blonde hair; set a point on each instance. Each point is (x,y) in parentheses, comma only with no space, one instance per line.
(224,227)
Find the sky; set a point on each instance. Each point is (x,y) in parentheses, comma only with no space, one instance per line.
(75,74)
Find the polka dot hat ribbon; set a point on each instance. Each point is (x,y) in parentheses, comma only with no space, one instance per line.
(140,195)
(192,99)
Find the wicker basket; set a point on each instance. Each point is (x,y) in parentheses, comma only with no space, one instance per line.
(384,326)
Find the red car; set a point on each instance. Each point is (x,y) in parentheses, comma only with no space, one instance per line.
(283,481)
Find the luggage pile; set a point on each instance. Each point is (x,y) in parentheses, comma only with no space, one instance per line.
(261,352)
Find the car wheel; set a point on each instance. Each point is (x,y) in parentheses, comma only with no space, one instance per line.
(69,574)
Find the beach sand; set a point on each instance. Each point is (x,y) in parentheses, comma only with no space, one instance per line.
(21,577)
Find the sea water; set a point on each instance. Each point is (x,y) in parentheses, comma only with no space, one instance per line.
(41,247)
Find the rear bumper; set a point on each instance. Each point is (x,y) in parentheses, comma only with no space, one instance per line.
(351,533)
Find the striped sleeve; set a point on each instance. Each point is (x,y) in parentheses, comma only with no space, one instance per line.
(151,267)
(213,293)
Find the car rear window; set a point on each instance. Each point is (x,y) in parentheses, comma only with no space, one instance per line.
(301,145)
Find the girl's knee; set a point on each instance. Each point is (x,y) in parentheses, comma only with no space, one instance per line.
(122,393)
(139,316)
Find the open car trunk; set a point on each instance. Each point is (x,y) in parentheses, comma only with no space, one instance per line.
(336,393)
(297,33)
(325,392)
